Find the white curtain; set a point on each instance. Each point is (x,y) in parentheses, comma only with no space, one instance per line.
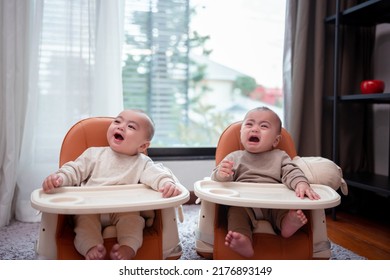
(14,24)
(75,72)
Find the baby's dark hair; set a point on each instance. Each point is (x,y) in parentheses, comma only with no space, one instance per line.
(265,108)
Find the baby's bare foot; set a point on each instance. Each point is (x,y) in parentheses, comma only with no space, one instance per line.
(293,221)
(96,253)
(121,252)
(239,243)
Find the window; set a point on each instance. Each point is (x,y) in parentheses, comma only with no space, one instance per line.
(196,66)
(155,70)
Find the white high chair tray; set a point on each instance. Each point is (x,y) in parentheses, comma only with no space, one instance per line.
(104,199)
(276,196)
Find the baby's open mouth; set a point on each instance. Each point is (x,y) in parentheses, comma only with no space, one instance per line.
(254,139)
(117,136)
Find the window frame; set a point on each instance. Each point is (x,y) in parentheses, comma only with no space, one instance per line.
(185,153)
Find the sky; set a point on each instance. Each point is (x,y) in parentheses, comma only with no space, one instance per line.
(246,35)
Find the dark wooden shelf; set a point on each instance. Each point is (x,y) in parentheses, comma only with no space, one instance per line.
(368,13)
(367,98)
(376,183)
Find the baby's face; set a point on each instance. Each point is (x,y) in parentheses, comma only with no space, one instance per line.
(260,131)
(128,133)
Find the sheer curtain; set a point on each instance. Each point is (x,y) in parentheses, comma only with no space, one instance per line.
(74,73)
(13,91)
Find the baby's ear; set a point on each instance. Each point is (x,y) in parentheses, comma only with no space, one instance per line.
(143,147)
(277,140)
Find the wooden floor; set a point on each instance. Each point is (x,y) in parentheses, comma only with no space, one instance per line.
(365,236)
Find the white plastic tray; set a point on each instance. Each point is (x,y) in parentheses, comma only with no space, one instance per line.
(104,199)
(276,196)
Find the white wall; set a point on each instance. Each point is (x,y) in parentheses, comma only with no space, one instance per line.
(188,172)
(382,111)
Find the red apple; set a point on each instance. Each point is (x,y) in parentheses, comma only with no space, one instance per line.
(372,86)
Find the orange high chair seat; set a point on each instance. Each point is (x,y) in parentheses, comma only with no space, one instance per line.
(91,132)
(267,244)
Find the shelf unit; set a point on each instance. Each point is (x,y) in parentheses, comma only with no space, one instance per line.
(368,13)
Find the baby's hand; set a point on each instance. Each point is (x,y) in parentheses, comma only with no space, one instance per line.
(169,189)
(303,189)
(225,168)
(51,182)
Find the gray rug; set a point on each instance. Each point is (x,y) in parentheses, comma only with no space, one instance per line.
(17,240)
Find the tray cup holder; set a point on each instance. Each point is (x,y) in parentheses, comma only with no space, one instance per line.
(224,192)
(66,200)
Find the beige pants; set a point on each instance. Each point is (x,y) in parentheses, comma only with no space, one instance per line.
(88,229)
(243,220)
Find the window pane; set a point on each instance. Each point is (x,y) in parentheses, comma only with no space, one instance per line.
(196,66)
(155,71)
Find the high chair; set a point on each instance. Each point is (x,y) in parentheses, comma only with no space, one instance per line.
(160,237)
(308,242)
